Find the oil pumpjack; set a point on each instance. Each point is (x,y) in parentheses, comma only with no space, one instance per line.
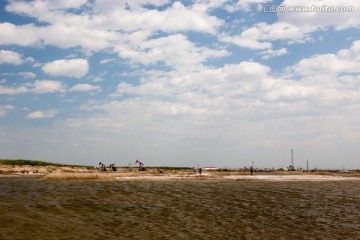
(141,165)
(112,166)
(102,167)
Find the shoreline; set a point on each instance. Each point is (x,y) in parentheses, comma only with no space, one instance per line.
(167,177)
(51,173)
(256,177)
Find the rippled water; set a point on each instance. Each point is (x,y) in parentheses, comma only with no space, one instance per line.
(31,208)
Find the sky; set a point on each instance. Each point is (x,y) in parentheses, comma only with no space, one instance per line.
(181,83)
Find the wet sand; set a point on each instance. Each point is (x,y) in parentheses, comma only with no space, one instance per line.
(257,177)
(294,178)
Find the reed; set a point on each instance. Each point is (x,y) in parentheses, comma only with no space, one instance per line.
(71,176)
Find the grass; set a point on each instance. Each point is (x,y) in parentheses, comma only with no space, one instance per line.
(21,162)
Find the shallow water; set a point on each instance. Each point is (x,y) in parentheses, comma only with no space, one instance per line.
(31,208)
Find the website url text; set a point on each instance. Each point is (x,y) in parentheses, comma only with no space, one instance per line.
(273,8)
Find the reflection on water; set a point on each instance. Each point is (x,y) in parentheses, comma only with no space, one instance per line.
(34,209)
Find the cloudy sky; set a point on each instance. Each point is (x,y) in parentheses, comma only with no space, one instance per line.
(181,83)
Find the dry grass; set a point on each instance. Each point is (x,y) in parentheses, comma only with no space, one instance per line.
(327,173)
(92,175)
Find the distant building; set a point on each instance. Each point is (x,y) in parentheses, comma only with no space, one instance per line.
(209,168)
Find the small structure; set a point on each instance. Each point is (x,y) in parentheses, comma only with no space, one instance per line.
(291,168)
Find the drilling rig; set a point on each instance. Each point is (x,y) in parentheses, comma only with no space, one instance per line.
(292,167)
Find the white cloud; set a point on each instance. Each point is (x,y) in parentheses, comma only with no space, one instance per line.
(246,69)
(262,34)
(27,75)
(322,20)
(71,35)
(275,31)
(100,77)
(241,41)
(39,7)
(233,93)
(294,27)
(103,29)
(240,112)
(105,6)
(54,4)
(13,90)
(37,87)
(346,60)
(29,60)
(164,49)
(129,36)
(185,112)
(230,81)
(4,109)
(35,115)
(23,35)
(352,82)
(63,30)
(273,53)
(324,63)
(71,68)
(42,114)
(193,18)
(157,88)
(85,88)
(47,86)
(287,91)
(107,60)
(10,57)
(244,5)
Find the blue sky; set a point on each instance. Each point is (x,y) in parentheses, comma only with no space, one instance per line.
(180,83)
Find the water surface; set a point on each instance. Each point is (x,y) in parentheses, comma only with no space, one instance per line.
(31,208)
